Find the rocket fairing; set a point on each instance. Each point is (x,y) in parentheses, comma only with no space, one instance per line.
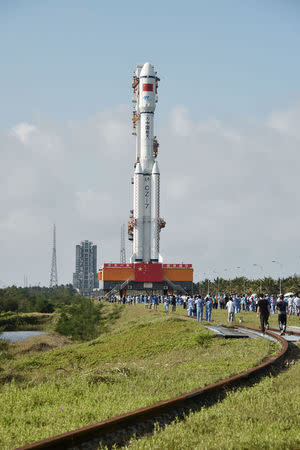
(145,224)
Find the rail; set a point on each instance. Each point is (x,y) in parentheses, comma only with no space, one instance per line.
(118,430)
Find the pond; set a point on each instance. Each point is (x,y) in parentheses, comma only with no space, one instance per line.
(15,336)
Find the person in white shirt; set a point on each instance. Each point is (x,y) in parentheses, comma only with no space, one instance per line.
(290,305)
(297,305)
(230,308)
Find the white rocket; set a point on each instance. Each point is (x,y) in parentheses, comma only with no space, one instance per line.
(145,224)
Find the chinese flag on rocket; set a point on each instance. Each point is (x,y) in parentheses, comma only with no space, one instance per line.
(148,272)
(147,87)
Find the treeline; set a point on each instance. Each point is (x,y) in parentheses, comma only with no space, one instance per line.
(78,317)
(243,285)
(36,299)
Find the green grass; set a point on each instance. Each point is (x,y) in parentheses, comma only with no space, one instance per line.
(265,416)
(143,357)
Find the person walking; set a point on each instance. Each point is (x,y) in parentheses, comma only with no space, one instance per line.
(273,304)
(208,308)
(263,309)
(236,301)
(173,303)
(190,303)
(290,305)
(166,304)
(230,308)
(282,310)
(199,306)
(297,305)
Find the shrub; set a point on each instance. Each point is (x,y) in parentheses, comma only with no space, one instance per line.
(80,321)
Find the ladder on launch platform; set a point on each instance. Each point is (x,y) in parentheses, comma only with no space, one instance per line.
(118,288)
(174,286)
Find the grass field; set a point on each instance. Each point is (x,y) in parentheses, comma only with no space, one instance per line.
(265,416)
(144,356)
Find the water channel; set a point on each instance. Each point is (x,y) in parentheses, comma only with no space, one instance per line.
(15,336)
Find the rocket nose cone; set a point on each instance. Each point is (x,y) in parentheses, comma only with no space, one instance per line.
(155,169)
(147,70)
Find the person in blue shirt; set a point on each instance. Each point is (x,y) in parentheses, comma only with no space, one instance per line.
(199,306)
(272,304)
(208,308)
(155,302)
(237,305)
(166,304)
(190,303)
(243,303)
(146,301)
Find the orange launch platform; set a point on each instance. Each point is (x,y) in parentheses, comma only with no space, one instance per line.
(143,276)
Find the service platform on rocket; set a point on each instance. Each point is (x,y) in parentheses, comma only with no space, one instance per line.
(145,224)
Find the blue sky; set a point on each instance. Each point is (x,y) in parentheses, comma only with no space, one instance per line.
(227,119)
(66,59)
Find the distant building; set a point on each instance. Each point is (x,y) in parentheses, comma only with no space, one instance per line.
(85,278)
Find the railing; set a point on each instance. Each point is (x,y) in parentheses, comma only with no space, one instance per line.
(176,287)
(117,288)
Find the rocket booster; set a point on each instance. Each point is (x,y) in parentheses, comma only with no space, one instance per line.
(145,224)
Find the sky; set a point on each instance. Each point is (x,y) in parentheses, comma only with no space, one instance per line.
(227,120)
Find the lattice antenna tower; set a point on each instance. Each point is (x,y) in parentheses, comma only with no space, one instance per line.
(122,246)
(53,273)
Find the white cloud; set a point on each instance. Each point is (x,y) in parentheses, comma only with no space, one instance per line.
(107,133)
(182,125)
(23,131)
(286,122)
(229,194)
(180,122)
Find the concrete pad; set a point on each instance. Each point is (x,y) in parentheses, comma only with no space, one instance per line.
(227,332)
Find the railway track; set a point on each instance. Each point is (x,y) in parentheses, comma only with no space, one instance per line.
(118,430)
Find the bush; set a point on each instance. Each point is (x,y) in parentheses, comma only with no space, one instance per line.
(80,321)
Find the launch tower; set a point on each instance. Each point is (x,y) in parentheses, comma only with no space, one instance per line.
(146,270)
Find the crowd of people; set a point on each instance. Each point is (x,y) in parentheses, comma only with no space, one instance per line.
(263,305)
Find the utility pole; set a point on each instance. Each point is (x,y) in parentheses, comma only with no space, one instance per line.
(244,279)
(53,273)
(218,281)
(281,268)
(262,269)
(207,281)
(227,270)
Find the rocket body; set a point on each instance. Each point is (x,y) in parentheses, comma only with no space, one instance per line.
(145,224)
